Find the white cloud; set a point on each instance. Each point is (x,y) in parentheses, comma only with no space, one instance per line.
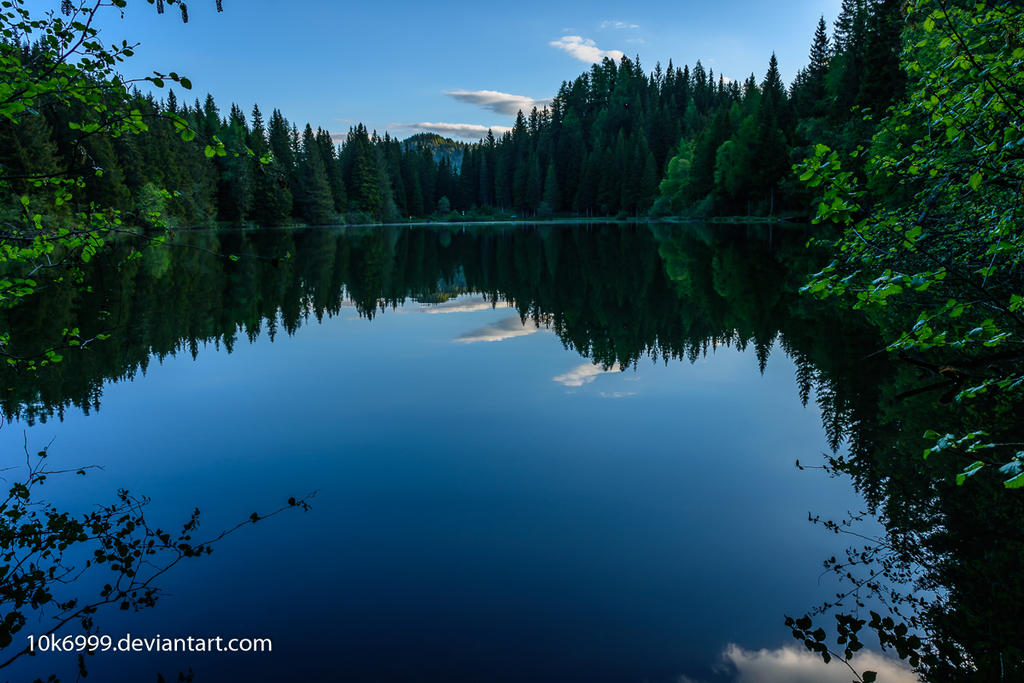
(617,24)
(467,131)
(498,102)
(584,49)
(506,328)
(583,374)
(795,665)
(617,394)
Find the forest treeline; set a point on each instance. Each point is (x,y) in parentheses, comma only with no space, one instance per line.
(616,141)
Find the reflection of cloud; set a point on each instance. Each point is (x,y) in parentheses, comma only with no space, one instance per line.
(584,49)
(467,131)
(505,328)
(793,665)
(583,374)
(617,394)
(464,305)
(498,102)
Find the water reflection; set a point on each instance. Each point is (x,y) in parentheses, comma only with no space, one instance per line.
(390,398)
(613,294)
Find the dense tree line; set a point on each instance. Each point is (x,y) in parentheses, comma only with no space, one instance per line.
(262,170)
(616,139)
(740,161)
(610,138)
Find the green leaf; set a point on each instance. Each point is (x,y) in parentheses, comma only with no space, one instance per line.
(869,677)
(210,152)
(1015,482)
(975,180)
(969,471)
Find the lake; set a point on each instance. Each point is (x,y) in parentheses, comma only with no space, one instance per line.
(544,453)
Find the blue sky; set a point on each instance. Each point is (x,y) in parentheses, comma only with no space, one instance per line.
(399,65)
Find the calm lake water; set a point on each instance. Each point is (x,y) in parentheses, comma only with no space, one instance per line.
(540,453)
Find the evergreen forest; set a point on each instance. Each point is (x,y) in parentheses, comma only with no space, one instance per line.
(898,296)
(616,141)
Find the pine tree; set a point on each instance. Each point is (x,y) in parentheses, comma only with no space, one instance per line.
(851,16)
(279,138)
(810,91)
(362,179)
(771,150)
(850,45)
(551,199)
(235,181)
(883,79)
(272,198)
(313,197)
(335,181)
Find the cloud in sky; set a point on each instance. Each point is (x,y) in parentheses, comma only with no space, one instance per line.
(617,24)
(466,131)
(800,666)
(584,49)
(583,374)
(498,102)
(506,328)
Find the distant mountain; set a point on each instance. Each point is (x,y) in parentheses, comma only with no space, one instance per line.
(442,148)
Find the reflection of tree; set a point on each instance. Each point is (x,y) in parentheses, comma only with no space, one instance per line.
(948,566)
(613,294)
(610,293)
(617,295)
(60,569)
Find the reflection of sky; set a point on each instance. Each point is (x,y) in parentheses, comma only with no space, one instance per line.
(463,304)
(476,520)
(793,664)
(506,328)
(585,373)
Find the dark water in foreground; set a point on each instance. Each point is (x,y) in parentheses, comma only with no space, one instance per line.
(544,454)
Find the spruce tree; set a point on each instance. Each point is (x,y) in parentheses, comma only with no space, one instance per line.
(235,180)
(883,79)
(362,179)
(771,152)
(551,199)
(272,198)
(811,90)
(313,194)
